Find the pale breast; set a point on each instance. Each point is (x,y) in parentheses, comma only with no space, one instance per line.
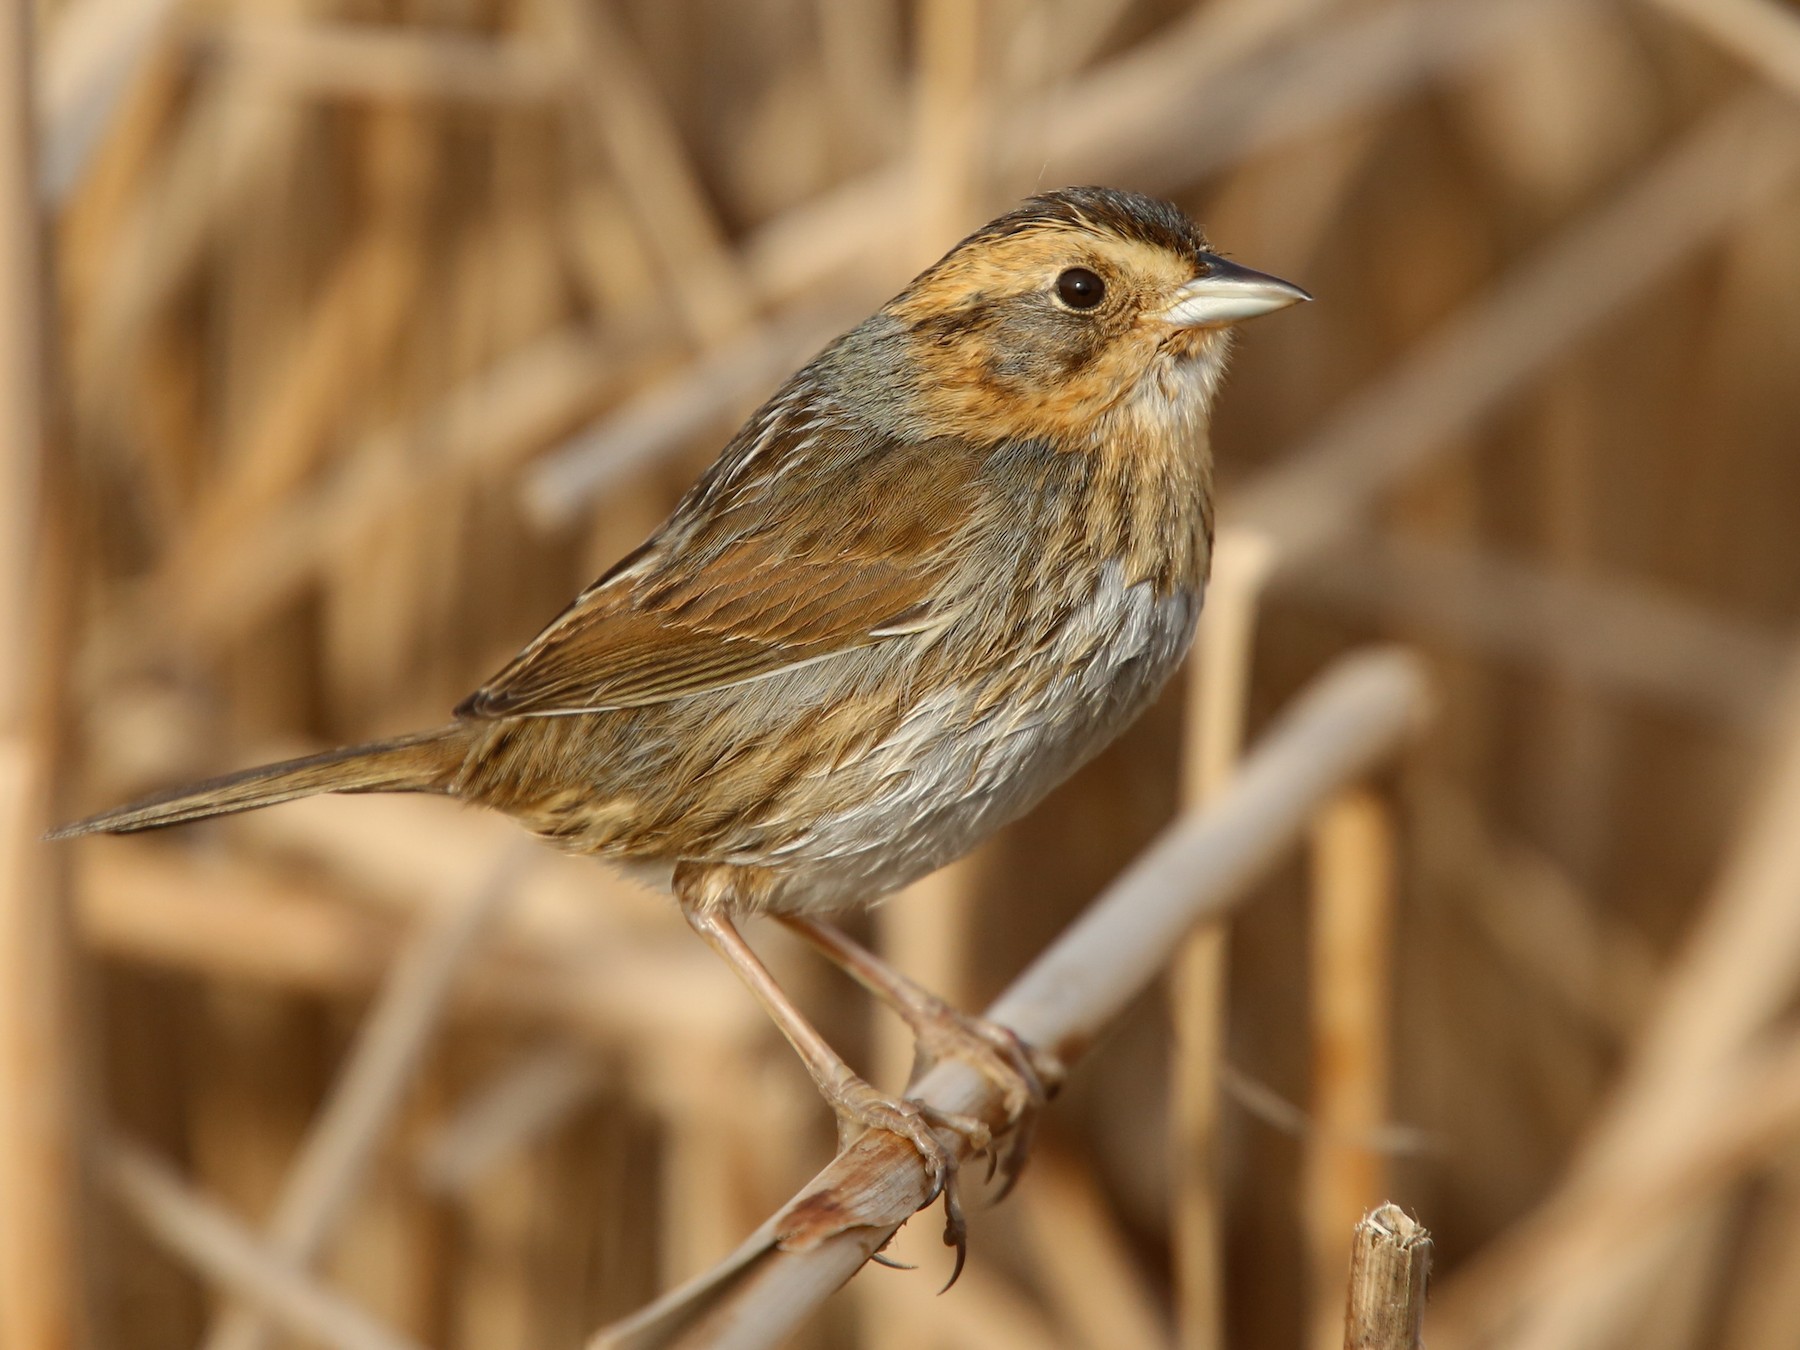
(963,761)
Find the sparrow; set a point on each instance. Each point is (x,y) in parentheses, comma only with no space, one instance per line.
(944,565)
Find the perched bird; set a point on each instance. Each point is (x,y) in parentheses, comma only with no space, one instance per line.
(942,567)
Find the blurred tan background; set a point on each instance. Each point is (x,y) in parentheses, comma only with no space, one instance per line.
(376,328)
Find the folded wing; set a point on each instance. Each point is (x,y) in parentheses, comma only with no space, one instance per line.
(810,537)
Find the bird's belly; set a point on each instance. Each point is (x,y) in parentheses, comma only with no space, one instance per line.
(837,783)
(969,757)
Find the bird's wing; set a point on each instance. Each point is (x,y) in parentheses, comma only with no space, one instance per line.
(812,535)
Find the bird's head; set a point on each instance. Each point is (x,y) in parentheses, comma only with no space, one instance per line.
(1081,306)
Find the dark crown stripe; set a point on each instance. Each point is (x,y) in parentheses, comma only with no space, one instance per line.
(1098,210)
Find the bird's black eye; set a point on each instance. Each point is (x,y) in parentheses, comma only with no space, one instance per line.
(1080,288)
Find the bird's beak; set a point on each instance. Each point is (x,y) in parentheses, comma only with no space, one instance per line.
(1228,294)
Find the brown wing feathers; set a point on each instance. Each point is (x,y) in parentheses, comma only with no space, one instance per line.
(735,586)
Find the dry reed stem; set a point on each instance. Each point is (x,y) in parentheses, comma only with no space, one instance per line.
(950,120)
(271,559)
(1163,114)
(1529,909)
(497,418)
(1738,969)
(1729,166)
(668,415)
(1628,637)
(339,1148)
(232,145)
(1390,1264)
(204,1236)
(1767,1309)
(1348,720)
(234,922)
(614,99)
(224,919)
(1090,1276)
(1217,691)
(43,1255)
(995,1315)
(859,48)
(1753,1110)
(1763,35)
(26,361)
(1352,917)
(1676,1306)
(521,1103)
(699,1176)
(362,311)
(324,59)
(41,1265)
(93,51)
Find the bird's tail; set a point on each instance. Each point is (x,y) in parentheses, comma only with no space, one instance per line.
(420,763)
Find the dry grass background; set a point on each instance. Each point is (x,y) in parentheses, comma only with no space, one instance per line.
(380,326)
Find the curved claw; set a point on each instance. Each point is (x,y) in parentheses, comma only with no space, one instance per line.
(956,1229)
(1018,1152)
(956,1237)
(981,1140)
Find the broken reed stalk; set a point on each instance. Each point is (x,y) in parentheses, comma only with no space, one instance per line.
(1390,1263)
(1352,919)
(1346,722)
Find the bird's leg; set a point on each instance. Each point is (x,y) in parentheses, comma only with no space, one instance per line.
(1025,1076)
(855,1101)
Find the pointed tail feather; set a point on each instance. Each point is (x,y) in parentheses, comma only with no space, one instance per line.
(420,763)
